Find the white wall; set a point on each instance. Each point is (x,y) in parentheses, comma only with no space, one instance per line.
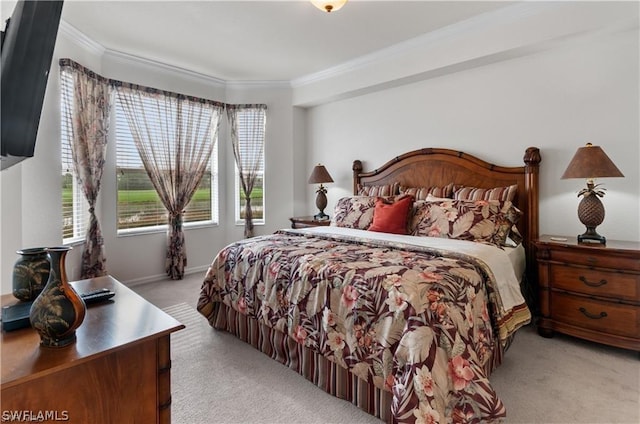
(557,97)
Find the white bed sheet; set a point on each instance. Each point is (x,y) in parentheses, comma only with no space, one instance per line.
(507,264)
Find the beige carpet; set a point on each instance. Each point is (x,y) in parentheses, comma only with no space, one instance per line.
(219,379)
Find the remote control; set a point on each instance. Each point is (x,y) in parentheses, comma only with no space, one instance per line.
(16,316)
(96,296)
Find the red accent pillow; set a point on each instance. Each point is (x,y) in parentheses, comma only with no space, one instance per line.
(391,217)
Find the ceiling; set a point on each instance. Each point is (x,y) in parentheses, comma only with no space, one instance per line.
(260,40)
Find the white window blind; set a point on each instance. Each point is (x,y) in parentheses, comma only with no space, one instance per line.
(75,208)
(139,206)
(251,128)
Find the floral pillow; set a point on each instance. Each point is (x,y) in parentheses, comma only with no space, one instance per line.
(421,193)
(513,215)
(354,212)
(378,190)
(487,221)
(504,194)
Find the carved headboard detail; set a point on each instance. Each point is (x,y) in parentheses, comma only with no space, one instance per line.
(438,167)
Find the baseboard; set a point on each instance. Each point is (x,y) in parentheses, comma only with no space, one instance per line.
(158,277)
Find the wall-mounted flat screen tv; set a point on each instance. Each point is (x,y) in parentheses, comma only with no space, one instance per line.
(28,40)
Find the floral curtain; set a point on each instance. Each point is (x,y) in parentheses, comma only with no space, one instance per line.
(247,124)
(90,125)
(174,135)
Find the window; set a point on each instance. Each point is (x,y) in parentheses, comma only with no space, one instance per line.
(139,207)
(251,135)
(75,208)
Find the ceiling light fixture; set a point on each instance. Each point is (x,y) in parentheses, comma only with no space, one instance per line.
(329,6)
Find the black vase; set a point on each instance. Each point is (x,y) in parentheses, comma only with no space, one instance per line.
(58,310)
(30,273)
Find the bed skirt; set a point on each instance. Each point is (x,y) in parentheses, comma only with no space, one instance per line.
(327,375)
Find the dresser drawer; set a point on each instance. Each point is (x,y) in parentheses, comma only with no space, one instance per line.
(604,317)
(594,259)
(614,285)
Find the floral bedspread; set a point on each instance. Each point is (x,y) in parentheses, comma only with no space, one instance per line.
(409,320)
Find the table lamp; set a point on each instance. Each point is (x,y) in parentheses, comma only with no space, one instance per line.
(320,175)
(591,162)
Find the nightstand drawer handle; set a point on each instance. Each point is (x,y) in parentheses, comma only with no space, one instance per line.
(592,316)
(590,284)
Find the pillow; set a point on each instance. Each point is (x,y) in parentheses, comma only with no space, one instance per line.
(378,190)
(504,194)
(354,212)
(391,217)
(421,193)
(487,221)
(513,215)
(431,198)
(420,217)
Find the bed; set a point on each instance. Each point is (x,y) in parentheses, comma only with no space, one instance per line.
(406,318)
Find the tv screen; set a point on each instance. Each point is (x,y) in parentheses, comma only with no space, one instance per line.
(27,50)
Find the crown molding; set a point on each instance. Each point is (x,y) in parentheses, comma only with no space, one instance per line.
(459,29)
(79,38)
(259,84)
(94,47)
(515,31)
(126,57)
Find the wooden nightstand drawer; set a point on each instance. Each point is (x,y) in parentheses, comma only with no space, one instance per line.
(604,317)
(589,291)
(594,259)
(614,285)
(308,221)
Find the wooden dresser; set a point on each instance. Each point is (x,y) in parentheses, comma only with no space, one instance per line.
(118,371)
(308,221)
(590,291)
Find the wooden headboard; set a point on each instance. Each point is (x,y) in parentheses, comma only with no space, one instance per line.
(439,167)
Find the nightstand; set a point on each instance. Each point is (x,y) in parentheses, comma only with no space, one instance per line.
(308,221)
(591,291)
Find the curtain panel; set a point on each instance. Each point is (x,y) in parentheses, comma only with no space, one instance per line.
(175,157)
(174,135)
(91,104)
(249,159)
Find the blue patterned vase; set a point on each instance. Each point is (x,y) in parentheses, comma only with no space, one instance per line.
(58,310)
(30,273)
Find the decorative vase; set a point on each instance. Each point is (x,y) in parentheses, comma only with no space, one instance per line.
(30,273)
(58,310)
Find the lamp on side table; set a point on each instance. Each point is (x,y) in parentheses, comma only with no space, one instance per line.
(591,162)
(320,175)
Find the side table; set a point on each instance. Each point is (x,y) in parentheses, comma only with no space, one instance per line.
(591,291)
(308,221)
